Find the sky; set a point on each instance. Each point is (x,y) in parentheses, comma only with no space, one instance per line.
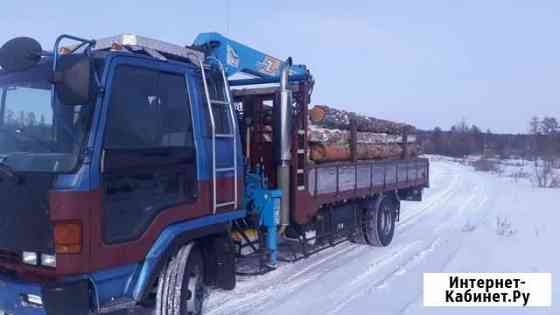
(430,63)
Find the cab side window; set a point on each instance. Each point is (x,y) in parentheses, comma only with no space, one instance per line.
(176,126)
(148,110)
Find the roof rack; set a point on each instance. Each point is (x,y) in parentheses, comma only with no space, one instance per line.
(153,47)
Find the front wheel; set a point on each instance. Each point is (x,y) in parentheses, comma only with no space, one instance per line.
(379,221)
(181,285)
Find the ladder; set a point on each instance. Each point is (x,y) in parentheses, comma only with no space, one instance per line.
(227,136)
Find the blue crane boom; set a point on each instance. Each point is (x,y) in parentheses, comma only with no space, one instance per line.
(239,58)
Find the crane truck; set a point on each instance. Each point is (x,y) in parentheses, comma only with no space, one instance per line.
(139,173)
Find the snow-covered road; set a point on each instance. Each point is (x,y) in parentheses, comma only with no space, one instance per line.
(453,230)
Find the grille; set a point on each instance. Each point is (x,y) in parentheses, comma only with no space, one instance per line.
(7,256)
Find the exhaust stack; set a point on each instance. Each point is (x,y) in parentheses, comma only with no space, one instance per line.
(285,141)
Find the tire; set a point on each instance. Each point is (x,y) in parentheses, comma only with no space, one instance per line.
(379,221)
(181,288)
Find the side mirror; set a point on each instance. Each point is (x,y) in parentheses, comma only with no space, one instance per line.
(74,80)
(20,54)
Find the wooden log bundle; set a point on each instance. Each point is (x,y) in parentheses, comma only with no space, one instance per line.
(331,139)
(338,135)
(335,152)
(328,117)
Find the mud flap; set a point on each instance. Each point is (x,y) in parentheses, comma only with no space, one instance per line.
(410,194)
(220,259)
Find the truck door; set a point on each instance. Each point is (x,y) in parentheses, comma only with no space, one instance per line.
(148,162)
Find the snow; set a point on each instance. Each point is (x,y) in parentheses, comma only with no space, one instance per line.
(455,229)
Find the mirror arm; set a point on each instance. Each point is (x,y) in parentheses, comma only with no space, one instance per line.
(75,92)
(77,47)
(97,80)
(60,38)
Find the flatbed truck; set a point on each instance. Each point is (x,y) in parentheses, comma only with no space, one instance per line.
(139,173)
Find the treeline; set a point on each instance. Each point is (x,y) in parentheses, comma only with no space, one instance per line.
(33,124)
(543,139)
(23,119)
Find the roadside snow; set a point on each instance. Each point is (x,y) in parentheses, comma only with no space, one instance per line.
(468,222)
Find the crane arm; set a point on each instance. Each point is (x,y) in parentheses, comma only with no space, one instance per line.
(240,58)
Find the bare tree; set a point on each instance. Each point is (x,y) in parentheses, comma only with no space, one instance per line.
(545,146)
(549,126)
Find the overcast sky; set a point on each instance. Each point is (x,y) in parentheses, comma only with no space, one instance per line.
(431,63)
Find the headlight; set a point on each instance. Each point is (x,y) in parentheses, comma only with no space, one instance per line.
(48,260)
(29,258)
(33,299)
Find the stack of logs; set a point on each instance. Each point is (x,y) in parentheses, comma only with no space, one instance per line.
(337,135)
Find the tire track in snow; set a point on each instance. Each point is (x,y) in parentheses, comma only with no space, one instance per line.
(281,282)
(478,199)
(417,299)
(254,300)
(363,286)
(474,201)
(374,267)
(431,204)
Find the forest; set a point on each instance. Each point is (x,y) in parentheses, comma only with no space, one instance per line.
(541,140)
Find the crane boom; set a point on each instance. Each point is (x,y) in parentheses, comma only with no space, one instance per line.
(239,58)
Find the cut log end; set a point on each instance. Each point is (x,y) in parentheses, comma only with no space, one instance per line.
(317,114)
(329,117)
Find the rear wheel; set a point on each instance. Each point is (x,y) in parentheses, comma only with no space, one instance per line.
(181,288)
(379,221)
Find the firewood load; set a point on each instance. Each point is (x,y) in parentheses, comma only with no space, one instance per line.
(336,136)
(331,139)
(333,153)
(329,117)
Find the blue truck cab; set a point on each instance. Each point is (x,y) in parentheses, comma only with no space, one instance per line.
(126,152)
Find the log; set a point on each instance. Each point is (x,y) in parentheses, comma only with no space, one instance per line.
(335,152)
(328,117)
(343,137)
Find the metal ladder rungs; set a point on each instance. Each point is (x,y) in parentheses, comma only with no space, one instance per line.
(225,169)
(225,135)
(225,204)
(228,102)
(219,102)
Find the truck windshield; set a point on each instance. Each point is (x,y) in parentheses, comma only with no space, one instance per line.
(37,135)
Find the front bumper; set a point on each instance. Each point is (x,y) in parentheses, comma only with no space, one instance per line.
(56,298)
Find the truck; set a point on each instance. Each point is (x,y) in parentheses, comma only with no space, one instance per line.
(136,173)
